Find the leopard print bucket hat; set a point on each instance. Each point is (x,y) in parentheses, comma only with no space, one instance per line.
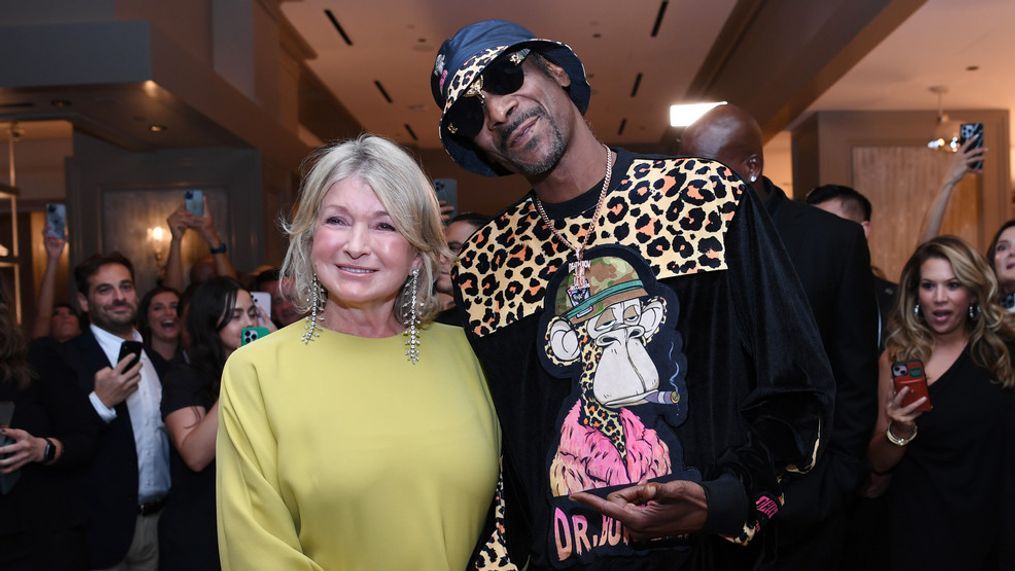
(462,59)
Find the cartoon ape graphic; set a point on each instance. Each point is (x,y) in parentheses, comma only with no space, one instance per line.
(618,343)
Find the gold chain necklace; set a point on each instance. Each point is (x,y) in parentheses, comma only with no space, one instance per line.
(579,290)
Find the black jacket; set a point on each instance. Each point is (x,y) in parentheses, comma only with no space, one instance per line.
(112,480)
(831,259)
(746,384)
(47,499)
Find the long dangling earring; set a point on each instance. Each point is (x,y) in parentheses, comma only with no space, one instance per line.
(916,310)
(310,331)
(974,310)
(412,319)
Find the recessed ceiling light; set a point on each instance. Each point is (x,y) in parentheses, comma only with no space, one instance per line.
(684,114)
(60,103)
(972,67)
(155,128)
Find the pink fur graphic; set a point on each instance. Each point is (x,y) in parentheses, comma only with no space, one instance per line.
(586,459)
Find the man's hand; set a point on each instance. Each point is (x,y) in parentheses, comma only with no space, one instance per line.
(654,509)
(54,247)
(113,386)
(25,448)
(178,222)
(205,225)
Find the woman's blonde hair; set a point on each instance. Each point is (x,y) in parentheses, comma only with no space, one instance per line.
(403,189)
(909,336)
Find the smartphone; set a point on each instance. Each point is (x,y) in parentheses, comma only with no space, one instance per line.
(133,348)
(262,299)
(910,374)
(447,191)
(972,131)
(193,200)
(250,334)
(7,481)
(56,220)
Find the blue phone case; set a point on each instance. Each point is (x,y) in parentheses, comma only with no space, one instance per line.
(193,200)
(56,220)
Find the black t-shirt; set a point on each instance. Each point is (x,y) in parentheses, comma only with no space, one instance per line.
(187,532)
(950,493)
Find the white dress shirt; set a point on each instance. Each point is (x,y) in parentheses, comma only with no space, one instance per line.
(150,439)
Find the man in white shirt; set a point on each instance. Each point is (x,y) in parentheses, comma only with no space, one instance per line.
(129,478)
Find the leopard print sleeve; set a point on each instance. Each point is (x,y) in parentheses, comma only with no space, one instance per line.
(493,554)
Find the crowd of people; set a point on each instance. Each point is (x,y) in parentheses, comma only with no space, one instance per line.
(646,362)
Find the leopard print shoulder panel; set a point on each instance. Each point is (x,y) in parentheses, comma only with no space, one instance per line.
(675,212)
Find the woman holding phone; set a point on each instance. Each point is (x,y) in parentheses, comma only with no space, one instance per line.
(47,436)
(948,464)
(363,438)
(217,314)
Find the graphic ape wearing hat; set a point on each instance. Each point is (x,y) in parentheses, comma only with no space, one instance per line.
(693,460)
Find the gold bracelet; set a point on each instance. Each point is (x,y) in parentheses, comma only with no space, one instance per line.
(898,440)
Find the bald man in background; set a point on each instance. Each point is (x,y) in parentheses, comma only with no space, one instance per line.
(832,261)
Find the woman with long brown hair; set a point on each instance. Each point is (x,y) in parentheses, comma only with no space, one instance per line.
(50,436)
(947,463)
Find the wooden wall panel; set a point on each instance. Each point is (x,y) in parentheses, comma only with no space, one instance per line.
(902,182)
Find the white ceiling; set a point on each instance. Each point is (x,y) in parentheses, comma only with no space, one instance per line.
(934,47)
(395,42)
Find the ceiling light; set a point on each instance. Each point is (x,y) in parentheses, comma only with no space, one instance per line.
(946,131)
(60,103)
(684,114)
(155,128)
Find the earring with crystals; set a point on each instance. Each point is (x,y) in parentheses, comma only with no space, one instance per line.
(916,310)
(974,310)
(411,314)
(315,301)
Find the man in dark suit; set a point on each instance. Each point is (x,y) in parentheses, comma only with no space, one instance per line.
(832,261)
(129,477)
(848,204)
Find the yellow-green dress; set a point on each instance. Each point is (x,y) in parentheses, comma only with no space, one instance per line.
(342,455)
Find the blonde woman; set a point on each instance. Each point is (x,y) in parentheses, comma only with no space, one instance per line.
(364,437)
(949,465)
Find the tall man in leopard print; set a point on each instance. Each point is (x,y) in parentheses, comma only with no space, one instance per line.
(646,342)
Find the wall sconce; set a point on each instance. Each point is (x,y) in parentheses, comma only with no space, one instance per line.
(157,242)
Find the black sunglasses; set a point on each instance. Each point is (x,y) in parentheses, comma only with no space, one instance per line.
(503,76)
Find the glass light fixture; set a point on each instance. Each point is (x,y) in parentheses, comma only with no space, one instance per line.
(946,133)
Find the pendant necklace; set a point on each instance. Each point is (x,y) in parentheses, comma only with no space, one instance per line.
(579,290)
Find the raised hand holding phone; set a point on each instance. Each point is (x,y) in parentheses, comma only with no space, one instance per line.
(971,139)
(56,221)
(194,202)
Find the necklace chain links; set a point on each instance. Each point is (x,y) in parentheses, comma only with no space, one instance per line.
(579,291)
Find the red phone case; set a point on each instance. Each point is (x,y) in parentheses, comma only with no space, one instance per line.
(910,374)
